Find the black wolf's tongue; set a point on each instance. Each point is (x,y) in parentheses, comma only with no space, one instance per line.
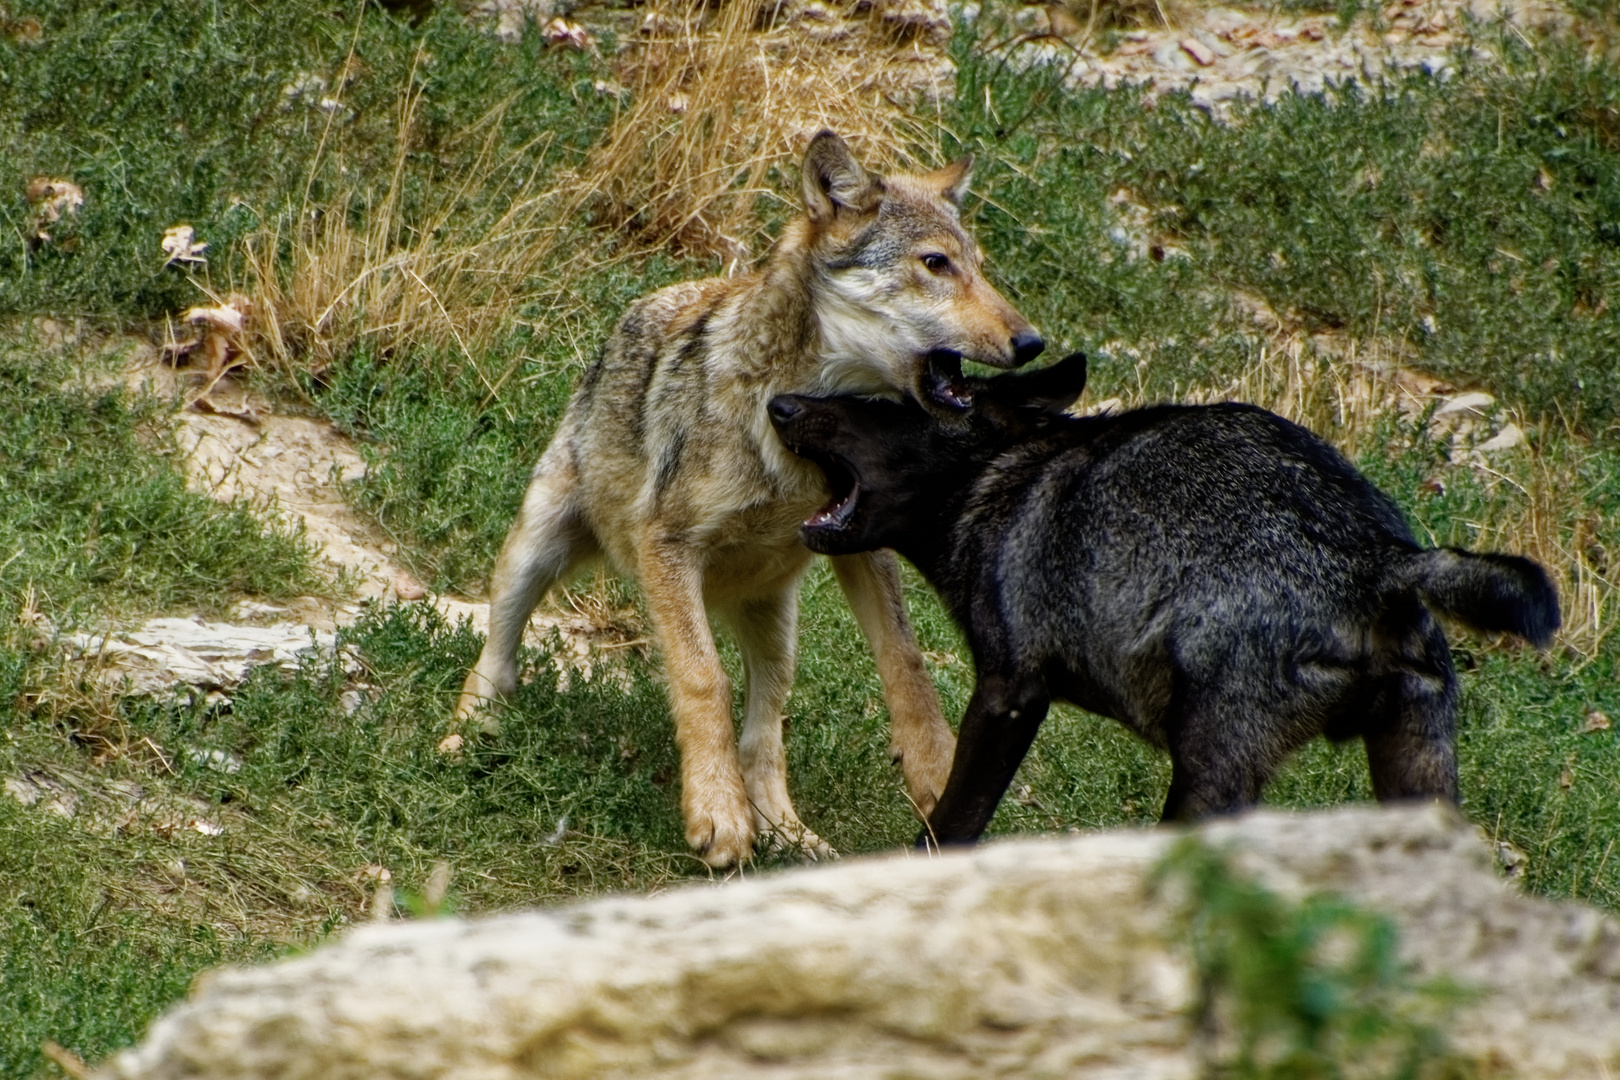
(943,381)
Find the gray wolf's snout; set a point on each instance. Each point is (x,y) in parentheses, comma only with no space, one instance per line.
(1027,345)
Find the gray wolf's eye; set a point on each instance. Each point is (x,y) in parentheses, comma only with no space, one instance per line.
(937,264)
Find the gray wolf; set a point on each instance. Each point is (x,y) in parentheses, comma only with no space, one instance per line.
(665,463)
(1216,578)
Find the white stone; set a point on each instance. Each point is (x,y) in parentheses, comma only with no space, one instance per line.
(1510,436)
(1038,957)
(1475,403)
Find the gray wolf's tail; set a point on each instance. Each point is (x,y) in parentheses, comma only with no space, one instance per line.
(1488,592)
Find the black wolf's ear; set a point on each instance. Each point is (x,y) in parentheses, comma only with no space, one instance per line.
(833,179)
(952,180)
(1051,389)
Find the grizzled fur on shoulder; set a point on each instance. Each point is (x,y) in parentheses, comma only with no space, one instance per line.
(1216,578)
(665,464)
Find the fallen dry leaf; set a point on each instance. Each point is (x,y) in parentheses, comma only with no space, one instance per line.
(560,31)
(51,199)
(180,244)
(217,348)
(25,31)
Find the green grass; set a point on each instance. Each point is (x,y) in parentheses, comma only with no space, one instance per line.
(1488,205)
(164,113)
(1352,212)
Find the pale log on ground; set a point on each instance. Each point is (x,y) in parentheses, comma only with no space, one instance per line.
(1024,958)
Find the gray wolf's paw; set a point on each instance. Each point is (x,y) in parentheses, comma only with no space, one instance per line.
(795,841)
(719,824)
(925,762)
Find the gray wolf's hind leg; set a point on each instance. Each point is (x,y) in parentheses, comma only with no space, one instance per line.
(1412,755)
(548,541)
(767,629)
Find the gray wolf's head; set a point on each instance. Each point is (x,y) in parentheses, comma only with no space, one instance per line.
(897,284)
(892,466)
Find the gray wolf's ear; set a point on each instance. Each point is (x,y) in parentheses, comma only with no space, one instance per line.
(834,179)
(952,180)
(1051,389)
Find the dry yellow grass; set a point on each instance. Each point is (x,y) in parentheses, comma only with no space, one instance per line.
(721,108)
(720,105)
(323,285)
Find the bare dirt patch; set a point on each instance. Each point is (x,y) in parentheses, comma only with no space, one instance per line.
(237,447)
(1219,54)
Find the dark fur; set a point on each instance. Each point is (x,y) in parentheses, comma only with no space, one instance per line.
(1216,578)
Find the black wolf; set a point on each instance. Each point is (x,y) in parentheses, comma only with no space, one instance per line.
(1216,578)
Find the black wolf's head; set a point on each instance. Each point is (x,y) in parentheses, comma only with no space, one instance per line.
(893,467)
(899,293)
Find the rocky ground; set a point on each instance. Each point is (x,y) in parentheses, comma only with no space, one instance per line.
(1221,54)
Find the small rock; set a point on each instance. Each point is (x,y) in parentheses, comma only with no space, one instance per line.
(1510,436)
(1596,721)
(1475,403)
(1510,860)
(1170,56)
(407,587)
(217,760)
(1198,51)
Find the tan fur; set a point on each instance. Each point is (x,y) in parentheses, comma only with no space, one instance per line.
(666,463)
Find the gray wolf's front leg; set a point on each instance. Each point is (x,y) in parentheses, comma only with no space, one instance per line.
(714,801)
(920,740)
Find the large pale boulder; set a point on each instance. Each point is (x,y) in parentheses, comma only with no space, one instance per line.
(1045,957)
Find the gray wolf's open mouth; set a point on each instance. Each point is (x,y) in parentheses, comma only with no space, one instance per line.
(942,381)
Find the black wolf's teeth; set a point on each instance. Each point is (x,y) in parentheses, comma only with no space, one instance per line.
(943,381)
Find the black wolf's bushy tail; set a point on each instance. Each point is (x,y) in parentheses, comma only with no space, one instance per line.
(1488,591)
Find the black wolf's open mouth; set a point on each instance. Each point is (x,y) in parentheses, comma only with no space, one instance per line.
(942,381)
(846,491)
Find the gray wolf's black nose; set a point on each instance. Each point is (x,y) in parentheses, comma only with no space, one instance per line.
(783,409)
(1027,345)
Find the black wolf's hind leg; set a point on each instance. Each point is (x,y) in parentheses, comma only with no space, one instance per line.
(996,733)
(1218,765)
(1412,752)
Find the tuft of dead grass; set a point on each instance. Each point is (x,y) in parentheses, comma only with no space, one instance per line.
(354,273)
(1128,14)
(722,102)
